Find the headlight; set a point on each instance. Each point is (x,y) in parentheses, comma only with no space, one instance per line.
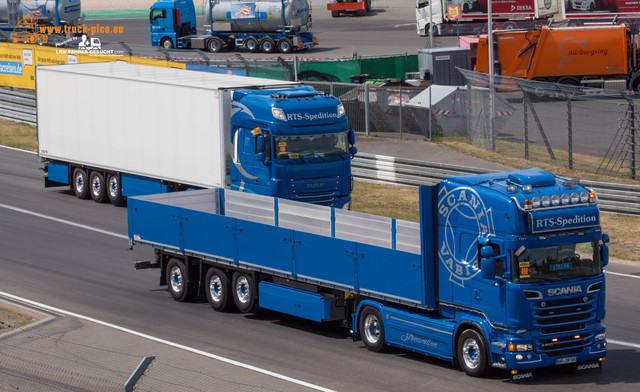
(278,114)
(340,110)
(546,201)
(536,201)
(584,197)
(519,347)
(565,199)
(601,336)
(575,198)
(555,200)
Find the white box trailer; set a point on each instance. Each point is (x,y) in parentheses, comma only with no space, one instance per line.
(162,123)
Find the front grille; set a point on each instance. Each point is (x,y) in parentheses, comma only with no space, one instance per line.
(562,324)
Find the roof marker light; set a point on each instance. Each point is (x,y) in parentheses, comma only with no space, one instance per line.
(592,198)
(528,205)
(512,189)
(526,188)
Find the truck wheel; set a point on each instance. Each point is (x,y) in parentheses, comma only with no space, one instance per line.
(509,26)
(285,45)
(179,289)
(244,292)
(367,5)
(166,43)
(251,43)
(114,190)
(80,184)
(335,14)
(371,327)
(360,12)
(218,290)
(215,45)
(472,353)
(96,182)
(268,45)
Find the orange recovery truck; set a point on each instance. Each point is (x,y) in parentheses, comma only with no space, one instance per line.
(594,56)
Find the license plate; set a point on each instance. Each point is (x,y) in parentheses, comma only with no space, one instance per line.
(564,361)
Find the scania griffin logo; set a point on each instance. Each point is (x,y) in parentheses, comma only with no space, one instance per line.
(462,207)
(564,291)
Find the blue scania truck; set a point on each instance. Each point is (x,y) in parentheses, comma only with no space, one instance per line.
(504,270)
(149,130)
(263,25)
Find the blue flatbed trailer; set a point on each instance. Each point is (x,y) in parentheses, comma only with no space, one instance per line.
(466,284)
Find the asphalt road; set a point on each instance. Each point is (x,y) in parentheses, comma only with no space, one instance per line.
(88,270)
(389,29)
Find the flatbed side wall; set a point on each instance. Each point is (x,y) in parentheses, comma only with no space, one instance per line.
(323,260)
(139,127)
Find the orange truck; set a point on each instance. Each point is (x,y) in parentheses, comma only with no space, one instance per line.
(359,7)
(595,56)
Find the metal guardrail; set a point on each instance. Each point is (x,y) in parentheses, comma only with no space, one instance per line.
(613,198)
(619,199)
(18,106)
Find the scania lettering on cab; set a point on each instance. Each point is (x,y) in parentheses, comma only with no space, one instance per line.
(144,130)
(504,270)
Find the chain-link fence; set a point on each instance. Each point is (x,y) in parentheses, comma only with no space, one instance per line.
(587,129)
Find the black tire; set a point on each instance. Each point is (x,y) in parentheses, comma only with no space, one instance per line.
(80,184)
(97,187)
(367,5)
(215,45)
(360,12)
(509,26)
(244,292)
(166,43)
(335,14)
(177,281)
(268,45)
(285,45)
(371,327)
(472,353)
(251,43)
(114,190)
(218,290)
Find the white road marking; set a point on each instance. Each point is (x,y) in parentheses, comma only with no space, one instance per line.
(66,222)
(625,275)
(17,149)
(621,343)
(166,342)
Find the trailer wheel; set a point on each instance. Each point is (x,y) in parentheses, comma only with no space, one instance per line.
(285,45)
(177,281)
(80,184)
(215,45)
(218,290)
(509,26)
(244,292)
(268,45)
(371,327)
(472,353)
(166,43)
(114,190)
(96,182)
(251,43)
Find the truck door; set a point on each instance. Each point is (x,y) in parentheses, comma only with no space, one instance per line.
(248,173)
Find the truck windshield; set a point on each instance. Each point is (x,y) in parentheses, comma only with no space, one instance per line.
(556,262)
(311,146)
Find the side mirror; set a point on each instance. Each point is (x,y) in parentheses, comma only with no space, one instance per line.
(261,144)
(353,150)
(352,137)
(487,262)
(260,157)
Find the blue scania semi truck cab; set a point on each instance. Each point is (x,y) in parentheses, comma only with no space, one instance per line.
(292,143)
(504,270)
(521,259)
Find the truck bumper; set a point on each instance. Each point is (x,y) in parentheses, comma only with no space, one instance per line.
(530,360)
(345,6)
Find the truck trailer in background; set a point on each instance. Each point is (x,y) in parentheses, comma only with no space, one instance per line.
(146,130)
(449,17)
(357,7)
(263,25)
(504,270)
(593,56)
(586,12)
